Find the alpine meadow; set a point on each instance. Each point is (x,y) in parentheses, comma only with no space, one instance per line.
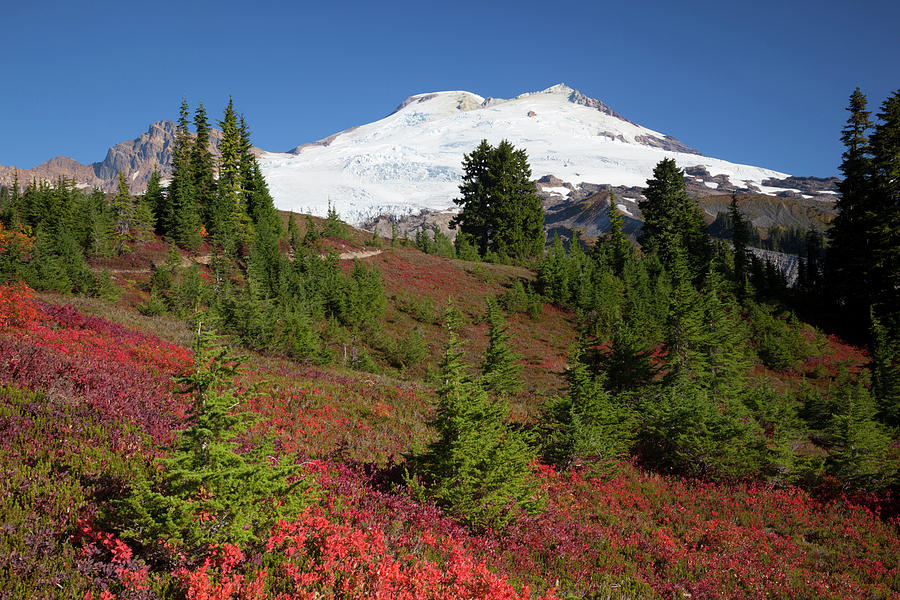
(547,353)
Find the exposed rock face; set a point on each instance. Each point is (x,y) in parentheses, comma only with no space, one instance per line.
(135,158)
(807,185)
(61,166)
(666,143)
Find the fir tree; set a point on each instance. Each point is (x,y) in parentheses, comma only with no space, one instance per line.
(293,233)
(501,210)
(850,252)
(478,467)
(884,215)
(672,221)
(179,219)
(311,233)
(614,248)
(500,371)
(587,424)
(154,197)
(228,219)
(210,492)
(861,453)
(885,373)
(475,218)
(123,211)
(628,364)
(203,165)
(740,238)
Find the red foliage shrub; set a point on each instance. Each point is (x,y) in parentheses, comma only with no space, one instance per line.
(17,307)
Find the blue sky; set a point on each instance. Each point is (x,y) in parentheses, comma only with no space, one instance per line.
(764,83)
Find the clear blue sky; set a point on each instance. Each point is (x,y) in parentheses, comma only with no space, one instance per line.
(759,82)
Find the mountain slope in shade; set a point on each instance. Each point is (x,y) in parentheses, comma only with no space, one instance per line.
(412,159)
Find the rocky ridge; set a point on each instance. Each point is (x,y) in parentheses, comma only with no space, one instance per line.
(135,158)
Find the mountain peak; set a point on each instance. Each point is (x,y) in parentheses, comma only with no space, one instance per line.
(559,88)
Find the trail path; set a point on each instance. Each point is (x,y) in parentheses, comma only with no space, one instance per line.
(205,258)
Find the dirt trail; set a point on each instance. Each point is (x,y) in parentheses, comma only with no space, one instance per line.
(205,258)
(358,254)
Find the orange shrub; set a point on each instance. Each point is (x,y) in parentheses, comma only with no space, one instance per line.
(16,305)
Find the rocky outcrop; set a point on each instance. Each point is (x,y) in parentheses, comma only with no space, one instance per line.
(808,185)
(135,158)
(666,143)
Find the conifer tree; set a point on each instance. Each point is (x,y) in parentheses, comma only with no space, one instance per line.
(500,371)
(686,331)
(628,364)
(501,210)
(614,248)
(740,238)
(588,423)
(311,233)
(123,216)
(850,252)
(478,467)
(726,337)
(212,493)
(885,373)
(179,219)
(861,455)
(474,219)
(884,215)
(203,165)
(228,221)
(154,197)
(672,221)
(293,233)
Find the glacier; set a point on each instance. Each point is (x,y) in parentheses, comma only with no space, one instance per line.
(412,159)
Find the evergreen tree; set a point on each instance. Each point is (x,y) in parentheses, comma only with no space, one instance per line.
(228,220)
(861,453)
(672,221)
(849,251)
(210,493)
(614,248)
(293,233)
(478,467)
(501,210)
(628,364)
(203,165)
(179,219)
(685,430)
(587,424)
(474,220)
(686,330)
(123,211)
(154,197)
(885,373)
(333,226)
(725,340)
(517,211)
(311,233)
(740,238)
(500,371)
(884,215)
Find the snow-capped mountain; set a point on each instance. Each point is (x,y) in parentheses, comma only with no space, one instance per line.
(412,159)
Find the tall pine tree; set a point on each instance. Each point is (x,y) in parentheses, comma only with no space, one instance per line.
(672,221)
(850,252)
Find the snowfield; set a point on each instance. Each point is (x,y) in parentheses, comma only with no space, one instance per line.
(412,159)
